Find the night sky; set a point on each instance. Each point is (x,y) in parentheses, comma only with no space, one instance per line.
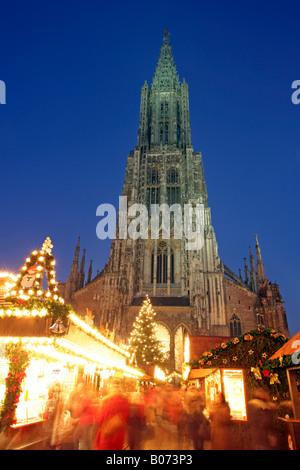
(73,72)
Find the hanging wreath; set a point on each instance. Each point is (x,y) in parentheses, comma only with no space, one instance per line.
(18,361)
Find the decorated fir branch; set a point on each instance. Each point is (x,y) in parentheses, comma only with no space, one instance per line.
(252,347)
(18,359)
(251,352)
(144,346)
(36,308)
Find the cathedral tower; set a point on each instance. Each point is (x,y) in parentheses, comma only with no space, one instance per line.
(165,169)
(192,291)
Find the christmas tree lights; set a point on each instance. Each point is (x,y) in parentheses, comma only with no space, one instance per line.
(144,345)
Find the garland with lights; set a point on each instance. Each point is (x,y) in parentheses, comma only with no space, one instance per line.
(144,347)
(27,299)
(37,307)
(18,360)
(29,283)
(94,333)
(27,296)
(251,352)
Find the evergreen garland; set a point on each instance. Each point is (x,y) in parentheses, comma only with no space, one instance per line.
(18,360)
(54,309)
(251,352)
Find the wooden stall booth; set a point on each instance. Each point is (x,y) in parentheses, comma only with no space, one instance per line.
(229,381)
(44,348)
(292,423)
(52,363)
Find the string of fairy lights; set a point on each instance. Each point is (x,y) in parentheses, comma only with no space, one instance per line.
(29,280)
(28,299)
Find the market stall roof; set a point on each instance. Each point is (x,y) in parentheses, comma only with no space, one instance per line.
(288,348)
(199,344)
(199,373)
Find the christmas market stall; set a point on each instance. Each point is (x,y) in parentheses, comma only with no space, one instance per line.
(45,345)
(289,354)
(237,368)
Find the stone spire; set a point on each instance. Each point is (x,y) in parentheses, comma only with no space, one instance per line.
(164,110)
(253,274)
(89,277)
(81,272)
(261,275)
(74,267)
(166,77)
(72,281)
(246,270)
(82,261)
(77,250)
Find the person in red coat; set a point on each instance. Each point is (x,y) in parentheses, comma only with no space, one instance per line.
(85,412)
(112,420)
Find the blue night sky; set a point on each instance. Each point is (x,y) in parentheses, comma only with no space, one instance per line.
(73,72)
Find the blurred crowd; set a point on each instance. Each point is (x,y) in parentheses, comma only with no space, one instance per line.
(154,418)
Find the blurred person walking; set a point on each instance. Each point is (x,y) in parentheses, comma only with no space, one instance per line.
(199,426)
(261,417)
(136,420)
(220,425)
(112,419)
(86,412)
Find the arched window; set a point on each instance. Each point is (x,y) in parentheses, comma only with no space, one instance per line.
(235,326)
(260,319)
(173,187)
(173,177)
(181,347)
(153,188)
(162,264)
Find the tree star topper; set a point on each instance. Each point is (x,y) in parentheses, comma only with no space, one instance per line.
(47,245)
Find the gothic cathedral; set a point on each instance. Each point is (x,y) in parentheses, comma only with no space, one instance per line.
(191,290)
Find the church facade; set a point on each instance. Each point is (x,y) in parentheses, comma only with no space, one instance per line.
(191,290)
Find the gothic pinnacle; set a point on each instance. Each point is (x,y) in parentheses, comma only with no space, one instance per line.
(260,265)
(166,37)
(82,261)
(258,252)
(165,78)
(77,249)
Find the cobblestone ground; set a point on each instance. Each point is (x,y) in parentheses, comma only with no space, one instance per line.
(166,437)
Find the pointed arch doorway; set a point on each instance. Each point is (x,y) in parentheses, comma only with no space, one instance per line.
(181,347)
(176,345)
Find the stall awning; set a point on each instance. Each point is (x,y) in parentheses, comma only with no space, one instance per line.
(288,348)
(199,373)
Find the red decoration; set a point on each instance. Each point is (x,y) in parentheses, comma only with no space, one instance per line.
(266,373)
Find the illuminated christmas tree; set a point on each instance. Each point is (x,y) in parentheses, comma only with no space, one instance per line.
(144,345)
